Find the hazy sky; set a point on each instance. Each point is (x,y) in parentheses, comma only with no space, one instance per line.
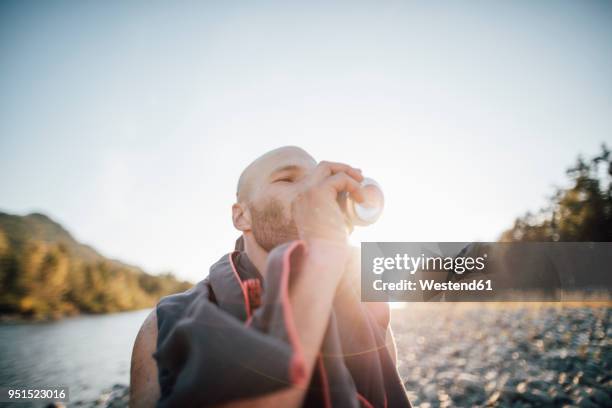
(130,123)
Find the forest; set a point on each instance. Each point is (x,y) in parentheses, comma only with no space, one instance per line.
(45,273)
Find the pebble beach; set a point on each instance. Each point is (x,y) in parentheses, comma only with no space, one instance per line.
(505,355)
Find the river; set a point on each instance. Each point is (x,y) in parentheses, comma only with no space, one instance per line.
(86,353)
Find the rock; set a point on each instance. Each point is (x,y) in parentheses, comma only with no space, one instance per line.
(522,387)
(470,383)
(430,391)
(559,397)
(601,397)
(584,402)
(493,398)
(116,397)
(509,395)
(539,385)
(537,398)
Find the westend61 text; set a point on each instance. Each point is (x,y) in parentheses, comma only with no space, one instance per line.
(429,284)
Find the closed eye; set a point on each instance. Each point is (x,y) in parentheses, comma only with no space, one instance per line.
(284,180)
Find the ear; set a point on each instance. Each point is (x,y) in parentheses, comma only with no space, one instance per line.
(241,217)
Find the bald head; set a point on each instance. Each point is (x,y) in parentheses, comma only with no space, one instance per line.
(274,161)
(266,189)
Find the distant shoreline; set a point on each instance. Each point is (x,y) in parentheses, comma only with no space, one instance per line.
(18,318)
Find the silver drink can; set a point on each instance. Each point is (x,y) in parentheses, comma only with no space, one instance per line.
(369,210)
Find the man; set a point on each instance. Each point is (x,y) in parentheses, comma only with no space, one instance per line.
(304,340)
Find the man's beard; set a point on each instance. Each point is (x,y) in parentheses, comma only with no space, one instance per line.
(270,226)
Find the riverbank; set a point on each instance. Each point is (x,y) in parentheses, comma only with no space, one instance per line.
(17,318)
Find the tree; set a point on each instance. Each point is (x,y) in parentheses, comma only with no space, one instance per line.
(582,212)
(9,273)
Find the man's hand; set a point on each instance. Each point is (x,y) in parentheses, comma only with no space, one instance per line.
(316,212)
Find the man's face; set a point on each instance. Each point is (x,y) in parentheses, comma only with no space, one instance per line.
(273,182)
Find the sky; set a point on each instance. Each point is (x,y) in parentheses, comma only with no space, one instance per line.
(130,122)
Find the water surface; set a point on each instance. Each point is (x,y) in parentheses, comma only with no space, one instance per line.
(86,353)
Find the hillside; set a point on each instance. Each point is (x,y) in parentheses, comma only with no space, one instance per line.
(45,272)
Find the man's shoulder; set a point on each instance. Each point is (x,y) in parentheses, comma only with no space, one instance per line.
(144,389)
(149,326)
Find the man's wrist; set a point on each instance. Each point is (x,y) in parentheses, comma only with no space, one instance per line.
(351,278)
(328,254)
